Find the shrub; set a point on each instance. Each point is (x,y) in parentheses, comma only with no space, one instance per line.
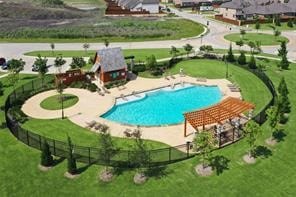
(92,87)
(139,68)
(290,23)
(242,60)
(78,84)
(46,157)
(230,57)
(252,63)
(72,168)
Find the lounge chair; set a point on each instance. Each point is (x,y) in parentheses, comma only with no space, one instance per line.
(234,89)
(100,93)
(166,77)
(200,79)
(173,77)
(134,93)
(91,124)
(128,133)
(106,90)
(123,97)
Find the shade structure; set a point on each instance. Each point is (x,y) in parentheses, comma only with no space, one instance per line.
(227,109)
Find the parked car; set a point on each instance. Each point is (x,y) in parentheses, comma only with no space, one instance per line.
(2,61)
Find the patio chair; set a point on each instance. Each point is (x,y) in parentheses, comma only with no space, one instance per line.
(106,90)
(173,77)
(100,92)
(128,133)
(91,124)
(123,97)
(134,93)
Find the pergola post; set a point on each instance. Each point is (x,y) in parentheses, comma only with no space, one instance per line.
(185,127)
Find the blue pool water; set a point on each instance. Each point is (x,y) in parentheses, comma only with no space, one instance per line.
(164,106)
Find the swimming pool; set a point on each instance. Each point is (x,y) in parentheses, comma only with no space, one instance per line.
(163,106)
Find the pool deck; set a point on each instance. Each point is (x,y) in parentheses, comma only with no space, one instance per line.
(91,105)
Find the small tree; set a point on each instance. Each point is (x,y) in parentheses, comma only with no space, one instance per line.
(257,25)
(230,57)
(52,46)
(72,168)
(273,118)
(252,63)
(86,47)
(41,64)
(252,129)
(106,147)
(106,43)
(1,89)
(242,33)
(242,60)
(77,62)
(151,63)
(15,67)
(239,43)
(59,62)
(252,46)
(46,157)
(205,143)
(258,46)
(206,48)
(188,48)
(174,51)
(277,20)
(284,92)
(282,52)
(140,156)
(290,23)
(276,33)
(284,63)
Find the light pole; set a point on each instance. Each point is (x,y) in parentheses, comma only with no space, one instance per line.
(201,39)
(61,96)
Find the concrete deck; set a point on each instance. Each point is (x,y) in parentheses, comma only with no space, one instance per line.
(91,105)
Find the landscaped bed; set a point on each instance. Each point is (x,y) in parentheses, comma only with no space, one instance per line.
(264,39)
(55,102)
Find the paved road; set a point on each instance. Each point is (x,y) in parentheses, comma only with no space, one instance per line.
(214,37)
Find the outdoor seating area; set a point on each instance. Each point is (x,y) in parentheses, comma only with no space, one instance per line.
(224,119)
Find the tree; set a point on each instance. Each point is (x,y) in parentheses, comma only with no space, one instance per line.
(106,147)
(46,157)
(41,64)
(242,33)
(252,46)
(239,43)
(174,51)
(273,117)
(206,48)
(277,20)
(52,46)
(140,156)
(77,62)
(282,52)
(257,25)
(251,131)
(205,143)
(188,48)
(151,63)
(106,43)
(242,60)
(276,33)
(15,67)
(59,62)
(290,23)
(1,89)
(71,161)
(230,56)
(284,98)
(252,63)
(258,46)
(86,47)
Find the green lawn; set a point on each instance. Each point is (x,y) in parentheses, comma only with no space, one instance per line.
(54,102)
(273,175)
(265,39)
(271,26)
(140,54)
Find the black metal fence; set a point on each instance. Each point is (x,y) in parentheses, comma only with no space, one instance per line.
(90,155)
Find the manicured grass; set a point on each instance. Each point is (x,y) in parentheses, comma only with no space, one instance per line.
(59,129)
(273,175)
(55,103)
(271,26)
(265,39)
(140,54)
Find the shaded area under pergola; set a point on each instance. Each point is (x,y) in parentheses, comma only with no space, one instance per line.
(226,110)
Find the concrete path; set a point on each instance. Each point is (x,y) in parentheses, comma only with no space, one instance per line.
(90,106)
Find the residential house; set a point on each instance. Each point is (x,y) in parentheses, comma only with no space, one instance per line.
(151,6)
(110,65)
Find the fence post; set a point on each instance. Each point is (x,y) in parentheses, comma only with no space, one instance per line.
(33,85)
(40,145)
(28,142)
(88,155)
(54,149)
(187,147)
(170,154)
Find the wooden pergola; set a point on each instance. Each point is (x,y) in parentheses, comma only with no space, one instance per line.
(227,109)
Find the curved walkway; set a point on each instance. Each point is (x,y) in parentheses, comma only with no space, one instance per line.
(91,106)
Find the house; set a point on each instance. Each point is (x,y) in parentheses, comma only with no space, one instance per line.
(248,10)
(109,65)
(151,6)
(201,5)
